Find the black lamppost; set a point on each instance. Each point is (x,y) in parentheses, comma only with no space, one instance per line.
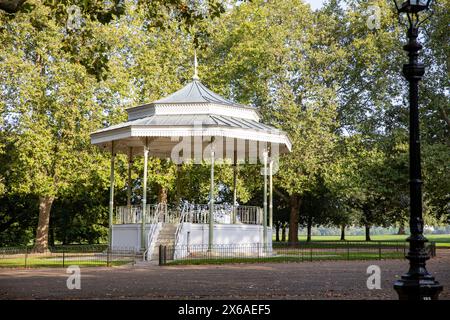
(417,284)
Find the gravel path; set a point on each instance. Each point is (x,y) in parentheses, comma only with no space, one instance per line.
(307,280)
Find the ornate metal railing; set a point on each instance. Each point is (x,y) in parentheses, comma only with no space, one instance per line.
(184,212)
(223,214)
(249,215)
(193,213)
(133,214)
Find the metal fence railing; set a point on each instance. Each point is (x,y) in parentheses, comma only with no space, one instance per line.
(194,213)
(286,252)
(64,256)
(133,214)
(249,215)
(223,214)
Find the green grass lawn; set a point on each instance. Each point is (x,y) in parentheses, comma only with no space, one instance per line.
(442,240)
(44,262)
(317,256)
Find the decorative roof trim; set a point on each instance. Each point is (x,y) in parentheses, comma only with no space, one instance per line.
(142,131)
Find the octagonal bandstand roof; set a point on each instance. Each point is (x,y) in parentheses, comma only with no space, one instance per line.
(192,111)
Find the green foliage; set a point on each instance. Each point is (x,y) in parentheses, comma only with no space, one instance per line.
(18,219)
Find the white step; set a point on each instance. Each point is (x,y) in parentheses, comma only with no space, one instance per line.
(166,237)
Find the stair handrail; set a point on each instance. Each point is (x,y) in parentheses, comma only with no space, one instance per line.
(151,233)
(183,215)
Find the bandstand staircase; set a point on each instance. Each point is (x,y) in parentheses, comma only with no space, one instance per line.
(166,237)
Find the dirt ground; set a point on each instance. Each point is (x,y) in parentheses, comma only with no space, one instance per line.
(307,280)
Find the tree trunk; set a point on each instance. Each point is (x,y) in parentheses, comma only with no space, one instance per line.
(45,206)
(283,232)
(401,230)
(342,232)
(367,232)
(51,235)
(162,195)
(277,232)
(308,229)
(293,218)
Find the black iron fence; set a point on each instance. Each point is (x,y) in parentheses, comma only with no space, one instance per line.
(285,252)
(64,256)
(100,255)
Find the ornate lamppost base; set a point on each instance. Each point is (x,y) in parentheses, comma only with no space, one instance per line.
(425,288)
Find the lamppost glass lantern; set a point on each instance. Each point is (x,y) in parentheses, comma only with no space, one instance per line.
(413,6)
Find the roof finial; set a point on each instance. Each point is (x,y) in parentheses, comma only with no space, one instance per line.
(195,77)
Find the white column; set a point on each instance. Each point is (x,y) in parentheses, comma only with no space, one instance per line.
(233,218)
(111,198)
(270,194)
(265,201)
(130,163)
(144,197)
(211,203)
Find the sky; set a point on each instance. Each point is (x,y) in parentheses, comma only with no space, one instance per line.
(315,4)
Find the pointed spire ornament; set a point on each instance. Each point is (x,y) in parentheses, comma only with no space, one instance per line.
(195,77)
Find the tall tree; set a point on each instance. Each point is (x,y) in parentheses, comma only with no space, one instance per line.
(268,54)
(49,113)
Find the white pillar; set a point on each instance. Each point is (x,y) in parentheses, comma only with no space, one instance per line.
(211,203)
(265,201)
(233,218)
(270,194)
(144,197)
(111,198)
(130,163)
